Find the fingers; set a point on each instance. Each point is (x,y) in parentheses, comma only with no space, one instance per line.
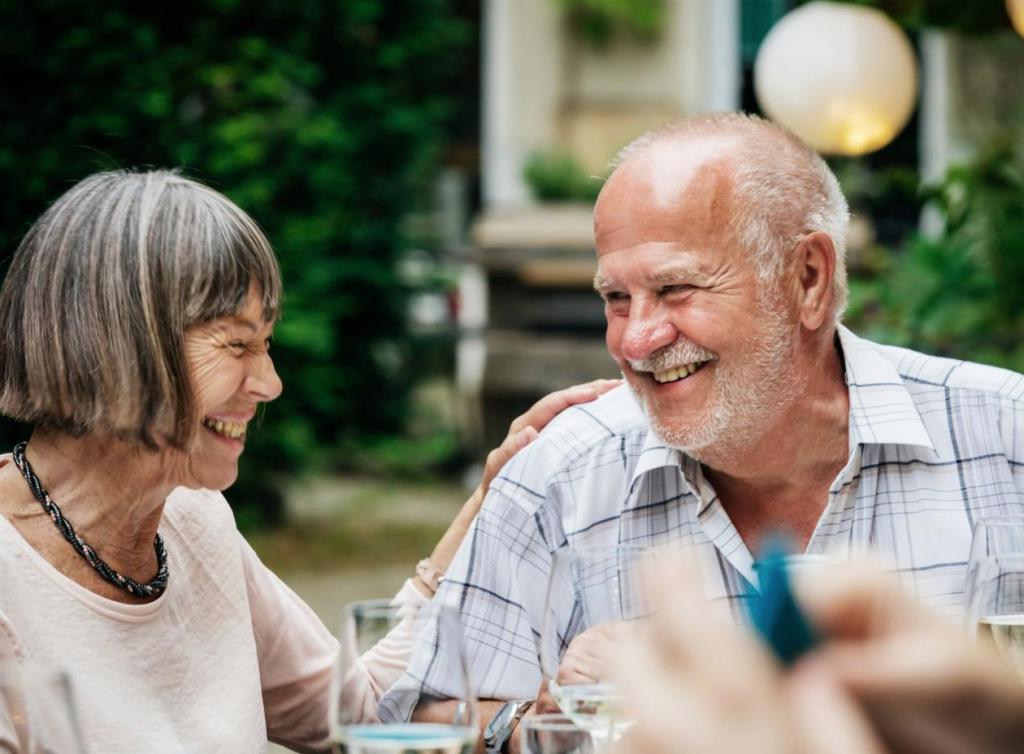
(550,406)
(588,657)
(825,717)
(525,428)
(697,634)
(859,601)
(501,455)
(545,704)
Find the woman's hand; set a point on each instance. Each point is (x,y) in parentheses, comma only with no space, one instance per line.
(523,430)
(696,684)
(924,686)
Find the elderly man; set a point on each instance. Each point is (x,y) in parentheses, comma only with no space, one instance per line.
(749,409)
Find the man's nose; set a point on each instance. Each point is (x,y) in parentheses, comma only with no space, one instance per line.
(647,331)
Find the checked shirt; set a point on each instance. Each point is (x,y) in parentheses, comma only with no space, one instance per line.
(935,444)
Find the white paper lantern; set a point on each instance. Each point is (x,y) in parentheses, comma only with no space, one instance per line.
(1015,8)
(842,77)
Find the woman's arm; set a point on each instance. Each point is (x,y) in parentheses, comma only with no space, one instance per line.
(296,651)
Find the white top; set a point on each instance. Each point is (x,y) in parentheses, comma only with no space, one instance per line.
(934,445)
(227,657)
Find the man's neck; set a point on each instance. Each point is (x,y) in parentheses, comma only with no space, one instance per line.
(780,482)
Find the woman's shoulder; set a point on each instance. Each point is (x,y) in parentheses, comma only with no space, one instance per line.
(198,511)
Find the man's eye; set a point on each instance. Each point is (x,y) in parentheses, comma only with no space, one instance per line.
(613,296)
(676,288)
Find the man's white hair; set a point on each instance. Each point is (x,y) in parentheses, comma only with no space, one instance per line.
(782,190)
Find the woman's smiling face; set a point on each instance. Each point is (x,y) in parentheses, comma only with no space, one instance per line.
(232,373)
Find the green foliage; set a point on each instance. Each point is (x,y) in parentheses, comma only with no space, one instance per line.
(978,17)
(599,22)
(960,293)
(321,119)
(557,176)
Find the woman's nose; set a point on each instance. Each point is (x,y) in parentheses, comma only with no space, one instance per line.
(263,383)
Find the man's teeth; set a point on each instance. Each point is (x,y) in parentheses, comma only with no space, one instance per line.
(678,373)
(234,430)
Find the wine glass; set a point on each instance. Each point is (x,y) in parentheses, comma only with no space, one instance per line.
(591,587)
(999,535)
(37,710)
(553,734)
(373,634)
(995,606)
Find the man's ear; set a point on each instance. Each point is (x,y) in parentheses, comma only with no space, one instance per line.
(815,261)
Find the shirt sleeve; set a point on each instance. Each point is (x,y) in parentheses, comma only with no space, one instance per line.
(8,655)
(297,655)
(498,581)
(385,663)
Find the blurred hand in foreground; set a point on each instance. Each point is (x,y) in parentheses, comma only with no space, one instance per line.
(891,678)
(701,685)
(923,685)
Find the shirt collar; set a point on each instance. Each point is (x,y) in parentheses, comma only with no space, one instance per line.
(655,454)
(882,411)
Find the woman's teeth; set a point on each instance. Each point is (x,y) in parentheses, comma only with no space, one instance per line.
(678,373)
(234,430)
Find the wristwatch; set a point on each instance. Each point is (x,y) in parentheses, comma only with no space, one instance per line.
(503,724)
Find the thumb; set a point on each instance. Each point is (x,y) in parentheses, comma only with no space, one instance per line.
(827,719)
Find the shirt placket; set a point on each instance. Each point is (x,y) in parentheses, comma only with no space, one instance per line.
(727,559)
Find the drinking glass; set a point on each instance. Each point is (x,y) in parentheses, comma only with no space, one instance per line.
(37,710)
(378,625)
(999,535)
(590,586)
(553,734)
(995,606)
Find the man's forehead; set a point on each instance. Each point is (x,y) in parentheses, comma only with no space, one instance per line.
(679,190)
(666,169)
(671,167)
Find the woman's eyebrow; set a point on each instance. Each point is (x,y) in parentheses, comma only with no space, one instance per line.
(244,322)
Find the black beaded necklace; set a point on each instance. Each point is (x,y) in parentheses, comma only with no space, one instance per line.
(153,589)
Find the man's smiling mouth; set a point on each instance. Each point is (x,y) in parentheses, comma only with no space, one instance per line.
(677,373)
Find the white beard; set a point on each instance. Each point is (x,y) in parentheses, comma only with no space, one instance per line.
(748,399)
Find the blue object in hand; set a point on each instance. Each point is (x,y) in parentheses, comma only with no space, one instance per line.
(775,612)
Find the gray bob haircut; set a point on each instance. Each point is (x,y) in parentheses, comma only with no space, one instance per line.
(785,190)
(100,292)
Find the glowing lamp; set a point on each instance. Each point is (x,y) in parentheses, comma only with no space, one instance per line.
(1015,9)
(842,77)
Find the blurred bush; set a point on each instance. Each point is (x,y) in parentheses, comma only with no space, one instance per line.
(321,119)
(599,22)
(959,291)
(557,176)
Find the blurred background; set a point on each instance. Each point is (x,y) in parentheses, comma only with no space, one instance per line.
(426,171)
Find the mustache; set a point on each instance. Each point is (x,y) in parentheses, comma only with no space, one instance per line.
(680,352)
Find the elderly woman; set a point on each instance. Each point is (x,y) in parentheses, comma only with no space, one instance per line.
(135,326)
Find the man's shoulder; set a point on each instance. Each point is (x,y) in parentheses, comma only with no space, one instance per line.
(587,424)
(580,435)
(920,369)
